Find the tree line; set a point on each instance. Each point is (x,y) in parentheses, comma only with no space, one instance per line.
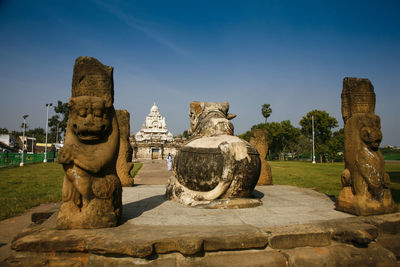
(57,125)
(286,140)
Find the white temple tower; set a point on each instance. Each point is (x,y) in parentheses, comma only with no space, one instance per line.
(154,128)
(154,141)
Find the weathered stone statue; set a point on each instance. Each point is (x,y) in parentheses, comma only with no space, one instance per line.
(124,161)
(210,119)
(92,192)
(260,142)
(365,182)
(213,164)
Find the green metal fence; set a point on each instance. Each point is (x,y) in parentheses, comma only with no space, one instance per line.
(14,159)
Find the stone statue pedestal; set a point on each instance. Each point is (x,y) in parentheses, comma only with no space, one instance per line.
(302,229)
(362,205)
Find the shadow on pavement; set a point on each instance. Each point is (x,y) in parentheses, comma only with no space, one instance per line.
(257,194)
(135,209)
(332,197)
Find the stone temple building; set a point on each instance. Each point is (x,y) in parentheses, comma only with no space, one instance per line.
(154,141)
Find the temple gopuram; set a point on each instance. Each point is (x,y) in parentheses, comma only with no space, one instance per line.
(154,141)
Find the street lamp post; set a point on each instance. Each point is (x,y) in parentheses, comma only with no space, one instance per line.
(47,124)
(57,133)
(23,141)
(313,142)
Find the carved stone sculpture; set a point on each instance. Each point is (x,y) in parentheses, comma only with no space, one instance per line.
(210,119)
(213,164)
(364,180)
(92,192)
(124,161)
(260,142)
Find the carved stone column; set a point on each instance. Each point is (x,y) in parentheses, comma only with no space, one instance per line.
(260,142)
(364,180)
(124,161)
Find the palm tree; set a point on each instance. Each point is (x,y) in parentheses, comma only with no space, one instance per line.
(266,111)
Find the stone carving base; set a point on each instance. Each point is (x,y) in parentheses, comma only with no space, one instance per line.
(361,205)
(360,241)
(234,203)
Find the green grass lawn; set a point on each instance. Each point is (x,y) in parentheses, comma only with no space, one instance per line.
(136,168)
(324,177)
(392,155)
(22,188)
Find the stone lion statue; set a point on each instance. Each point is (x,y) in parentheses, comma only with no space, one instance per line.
(213,164)
(92,193)
(364,180)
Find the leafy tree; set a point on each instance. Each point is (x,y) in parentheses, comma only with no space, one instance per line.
(266,111)
(301,146)
(323,124)
(281,136)
(3,131)
(336,145)
(58,122)
(185,134)
(38,133)
(245,136)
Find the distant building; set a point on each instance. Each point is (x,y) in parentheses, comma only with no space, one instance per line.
(5,139)
(29,143)
(5,144)
(40,147)
(153,141)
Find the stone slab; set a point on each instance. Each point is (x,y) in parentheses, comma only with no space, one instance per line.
(390,242)
(141,241)
(341,255)
(387,223)
(218,259)
(282,205)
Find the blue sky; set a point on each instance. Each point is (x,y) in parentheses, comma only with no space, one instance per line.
(290,54)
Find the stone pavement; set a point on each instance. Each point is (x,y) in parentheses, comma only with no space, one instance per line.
(282,205)
(153,172)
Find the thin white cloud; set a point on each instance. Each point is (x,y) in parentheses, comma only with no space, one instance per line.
(142,26)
